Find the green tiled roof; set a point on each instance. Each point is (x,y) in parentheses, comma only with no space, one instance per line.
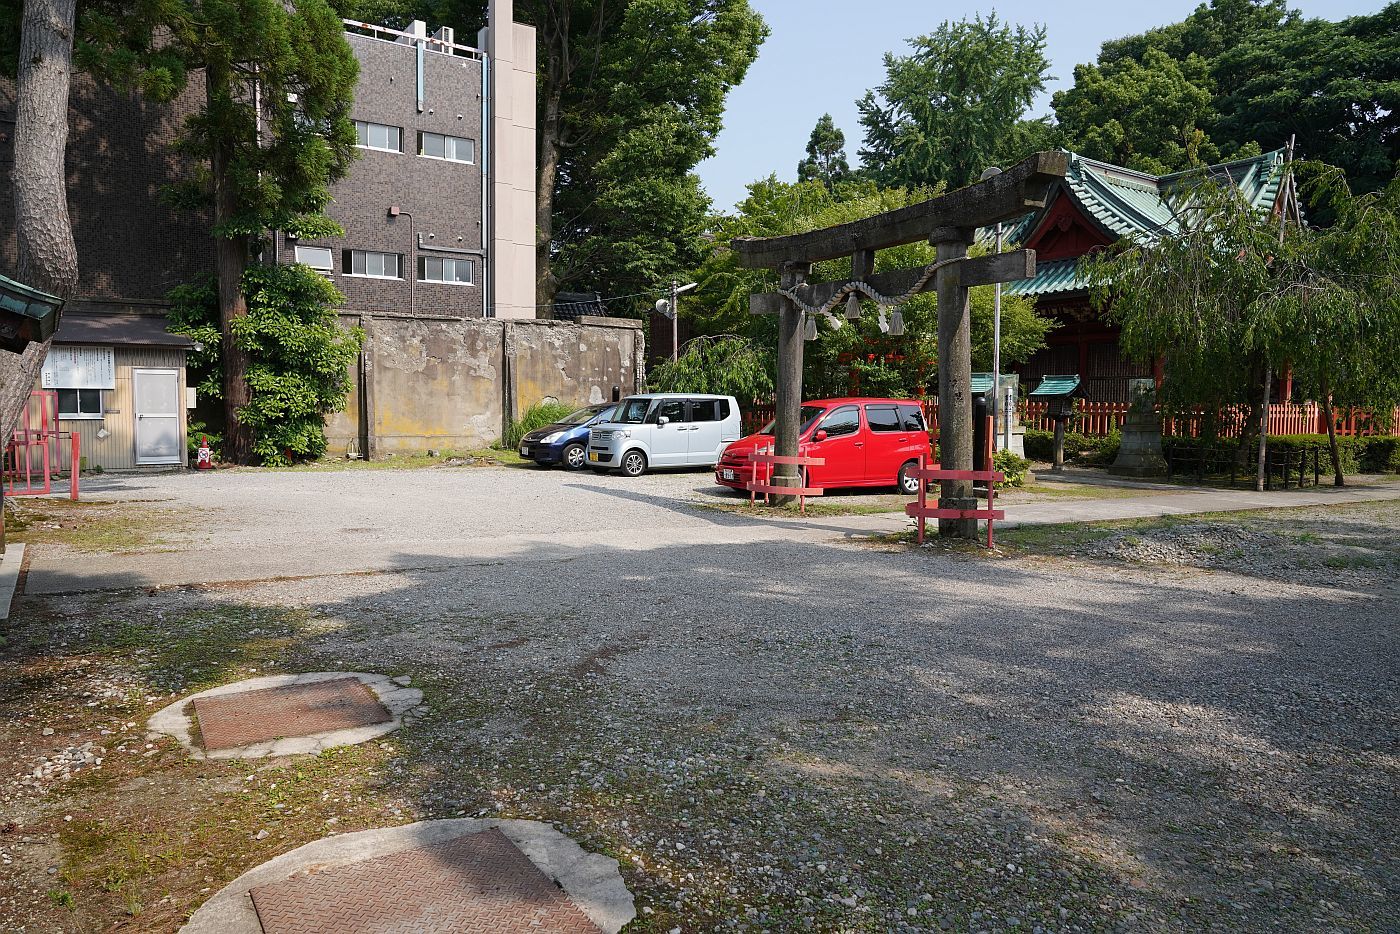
(1060,275)
(982,382)
(1128,204)
(1056,386)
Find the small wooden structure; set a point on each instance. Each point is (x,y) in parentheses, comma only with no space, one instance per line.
(764,461)
(920,509)
(949,223)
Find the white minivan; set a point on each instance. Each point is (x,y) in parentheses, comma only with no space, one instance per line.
(665,429)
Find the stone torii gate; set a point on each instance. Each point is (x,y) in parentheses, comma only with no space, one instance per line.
(948,222)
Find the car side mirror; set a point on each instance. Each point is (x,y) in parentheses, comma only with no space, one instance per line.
(820,435)
(662,421)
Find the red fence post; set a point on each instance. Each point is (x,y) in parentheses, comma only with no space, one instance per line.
(74,467)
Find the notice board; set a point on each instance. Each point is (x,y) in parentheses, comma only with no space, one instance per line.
(70,366)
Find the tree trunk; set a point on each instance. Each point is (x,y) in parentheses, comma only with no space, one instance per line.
(1338,479)
(230,262)
(48,258)
(1263,432)
(545,283)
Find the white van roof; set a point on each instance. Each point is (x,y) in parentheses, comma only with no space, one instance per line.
(676,395)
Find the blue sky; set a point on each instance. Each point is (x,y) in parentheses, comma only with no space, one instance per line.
(822,55)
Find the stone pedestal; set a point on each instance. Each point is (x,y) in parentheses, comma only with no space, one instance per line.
(1140,454)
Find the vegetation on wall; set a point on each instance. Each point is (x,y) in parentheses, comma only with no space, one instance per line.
(300,356)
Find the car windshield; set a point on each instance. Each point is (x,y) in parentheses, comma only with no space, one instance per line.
(632,411)
(587,414)
(809,415)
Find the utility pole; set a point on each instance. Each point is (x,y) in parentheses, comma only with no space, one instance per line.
(675,319)
(996,354)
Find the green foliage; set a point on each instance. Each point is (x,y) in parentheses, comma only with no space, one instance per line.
(944,112)
(880,364)
(300,356)
(726,365)
(545,412)
(1014,466)
(1147,115)
(1084,449)
(1333,84)
(197,434)
(826,155)
(1237,75)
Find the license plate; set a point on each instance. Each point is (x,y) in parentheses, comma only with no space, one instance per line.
(524,450)
(594,456)
(727,474)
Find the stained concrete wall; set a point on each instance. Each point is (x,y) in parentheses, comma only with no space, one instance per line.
(442,382)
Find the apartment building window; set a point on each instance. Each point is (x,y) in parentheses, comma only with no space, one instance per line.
(317,257)
(442,269)
(80,403)
(378,136)
(452,148)
(372,264)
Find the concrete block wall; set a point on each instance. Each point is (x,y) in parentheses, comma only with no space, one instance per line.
(453,383)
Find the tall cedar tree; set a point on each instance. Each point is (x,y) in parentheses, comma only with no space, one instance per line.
(946,112)
(48,258)
(826,155)
(631,97)
(1237,75)
(273,134)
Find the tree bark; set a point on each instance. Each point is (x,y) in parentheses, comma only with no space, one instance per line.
(788,403)
(546,285)
(1338,478)
(230,262)
(48,258)
(1261,478)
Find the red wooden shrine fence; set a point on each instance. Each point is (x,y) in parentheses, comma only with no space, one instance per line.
(1098,419)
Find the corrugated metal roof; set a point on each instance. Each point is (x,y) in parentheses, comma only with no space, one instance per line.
(131,329)
(1056,386)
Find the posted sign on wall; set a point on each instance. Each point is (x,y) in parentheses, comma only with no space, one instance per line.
(72,367)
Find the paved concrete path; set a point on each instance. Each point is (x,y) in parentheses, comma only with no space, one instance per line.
(245,526)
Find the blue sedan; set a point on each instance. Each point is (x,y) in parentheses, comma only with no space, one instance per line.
(564,441)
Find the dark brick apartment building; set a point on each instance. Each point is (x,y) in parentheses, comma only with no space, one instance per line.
(438,214)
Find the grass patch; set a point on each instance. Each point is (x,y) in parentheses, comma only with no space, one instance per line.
(95,526)
(815,508)
(450,457)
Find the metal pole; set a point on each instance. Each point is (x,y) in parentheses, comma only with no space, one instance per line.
(675,317)
(996,353)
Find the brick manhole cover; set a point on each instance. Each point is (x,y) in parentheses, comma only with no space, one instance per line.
(478,882)
(230,720)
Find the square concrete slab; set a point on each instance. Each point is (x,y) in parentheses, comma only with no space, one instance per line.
(230,720)
(477,882)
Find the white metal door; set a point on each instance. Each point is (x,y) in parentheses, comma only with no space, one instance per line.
(157,395)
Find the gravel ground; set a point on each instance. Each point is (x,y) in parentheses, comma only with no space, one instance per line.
(781,735)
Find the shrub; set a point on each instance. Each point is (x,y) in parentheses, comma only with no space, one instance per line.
(1014,466)
(1380,455)
(298,355)
(546,412)
(1088,449)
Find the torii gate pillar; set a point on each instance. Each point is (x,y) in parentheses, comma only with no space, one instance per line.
(954,379)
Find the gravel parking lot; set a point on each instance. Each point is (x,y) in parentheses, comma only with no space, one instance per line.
(773,730)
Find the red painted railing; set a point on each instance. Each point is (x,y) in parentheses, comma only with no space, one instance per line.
(34,454)
(1098,419)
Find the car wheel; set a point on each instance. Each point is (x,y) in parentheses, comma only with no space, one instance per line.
(634,463)
(907,481)
(574,457)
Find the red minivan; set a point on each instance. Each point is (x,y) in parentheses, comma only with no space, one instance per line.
(865,442)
